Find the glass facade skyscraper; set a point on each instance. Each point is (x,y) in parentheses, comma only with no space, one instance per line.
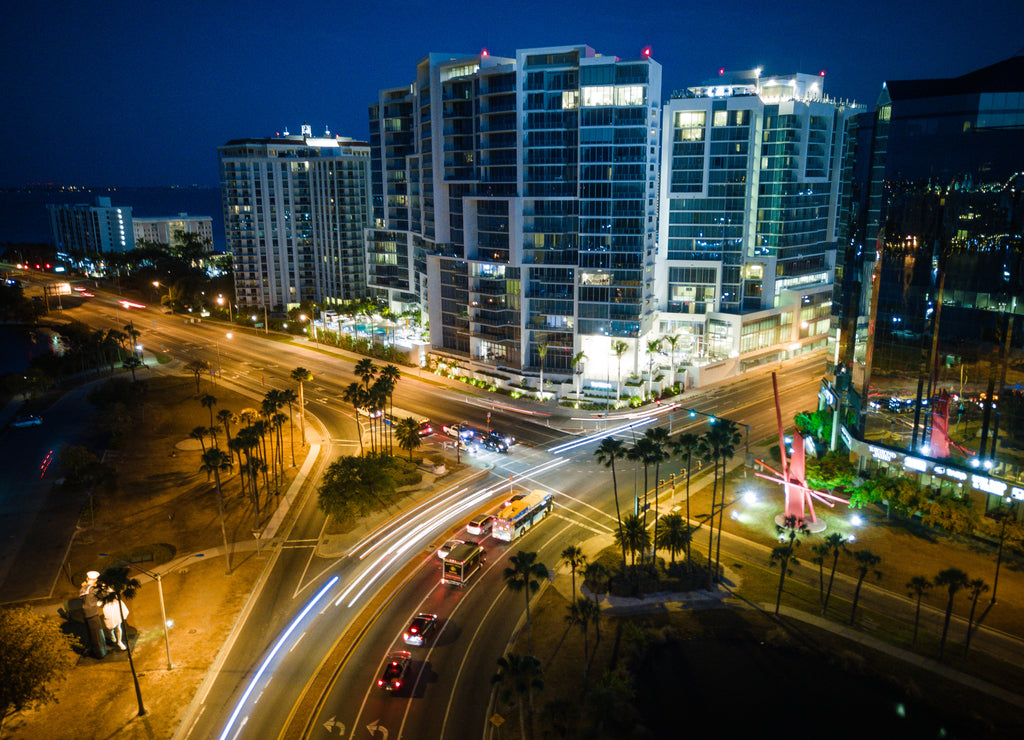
(928,366)
(750,193)
(516,199)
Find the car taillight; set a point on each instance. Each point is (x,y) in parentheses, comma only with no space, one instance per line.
(380,681)
(398,684)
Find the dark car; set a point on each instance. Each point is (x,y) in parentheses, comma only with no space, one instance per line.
(420,628)
(396,671)
(507,439)
(488,442)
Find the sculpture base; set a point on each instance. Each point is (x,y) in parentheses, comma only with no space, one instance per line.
(812,527)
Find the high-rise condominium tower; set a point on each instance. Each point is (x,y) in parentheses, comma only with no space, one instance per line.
(295,208)
(515,201)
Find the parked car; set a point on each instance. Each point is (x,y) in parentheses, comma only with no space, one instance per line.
(27,420)
(420,628)
(396,670)
(480,525)
(443,550)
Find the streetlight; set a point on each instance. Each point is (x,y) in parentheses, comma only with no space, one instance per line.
(312,327)
(226,336)
(160,590)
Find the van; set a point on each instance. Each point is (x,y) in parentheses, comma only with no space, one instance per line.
(481,525)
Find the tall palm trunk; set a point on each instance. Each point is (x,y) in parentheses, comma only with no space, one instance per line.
(711,526)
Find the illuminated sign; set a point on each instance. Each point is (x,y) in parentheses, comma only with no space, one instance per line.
(846,436)
(915,463)
(988,485)
(1017,493)
(829,396)
(880,453)
(950,472)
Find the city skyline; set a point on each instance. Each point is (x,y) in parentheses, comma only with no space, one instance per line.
(127,95)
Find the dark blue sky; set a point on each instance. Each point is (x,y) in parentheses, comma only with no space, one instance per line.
(142,93)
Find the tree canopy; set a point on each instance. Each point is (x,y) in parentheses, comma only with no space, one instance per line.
(34,655)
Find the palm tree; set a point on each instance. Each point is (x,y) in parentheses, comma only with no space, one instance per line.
(408,433)
(672,340)
(674,535)
(785,554)
(720,442)
(522,576)
(132,362)
(836,544)
(289,397)
(214,461)
(918,586)
(952,579)
(521,676)
(378,401)
(301,376)
(577,365)
(686,446)
(646,452)
(227,417)
(542,352)
(619,349)
(366,371)
(660,446)
(208,402)
(358,396)
(573,557)
(977,587)
(115,584)
(581,612)
(390,375)
(197,368)
(633,536)
(607,453)
(200,434)
(653,346)
(1003,514)
(866,561)
(597,573)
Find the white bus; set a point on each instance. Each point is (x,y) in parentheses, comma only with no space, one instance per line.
(514,519)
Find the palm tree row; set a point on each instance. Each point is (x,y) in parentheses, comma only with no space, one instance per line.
(258,447)
(375,396)
(718,445)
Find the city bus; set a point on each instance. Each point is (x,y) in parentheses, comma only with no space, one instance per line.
(514,519)
(461,563)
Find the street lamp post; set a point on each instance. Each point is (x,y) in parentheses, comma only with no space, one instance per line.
(160,592)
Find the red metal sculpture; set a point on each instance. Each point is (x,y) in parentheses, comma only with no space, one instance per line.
(794,479)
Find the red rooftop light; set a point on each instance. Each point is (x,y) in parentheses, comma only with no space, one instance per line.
(483,53)
(721,71)
(647,51)
(821,73)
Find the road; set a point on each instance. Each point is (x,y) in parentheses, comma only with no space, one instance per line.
(305,604)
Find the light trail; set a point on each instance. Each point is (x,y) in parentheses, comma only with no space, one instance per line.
(266,662)
(565,447)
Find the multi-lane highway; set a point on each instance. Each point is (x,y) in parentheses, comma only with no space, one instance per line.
(347,612)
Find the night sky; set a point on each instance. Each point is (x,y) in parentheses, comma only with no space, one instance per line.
(143,93)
